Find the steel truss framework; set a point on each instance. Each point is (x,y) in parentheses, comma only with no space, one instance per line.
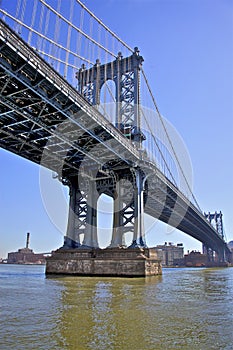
(45,120)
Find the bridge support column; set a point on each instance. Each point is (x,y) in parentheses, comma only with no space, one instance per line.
(222,256)
(139,229)
(209,252)
(90,233)
(117,233)
(82,217)
(75,216)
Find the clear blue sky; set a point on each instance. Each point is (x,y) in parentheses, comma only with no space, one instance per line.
(187,46)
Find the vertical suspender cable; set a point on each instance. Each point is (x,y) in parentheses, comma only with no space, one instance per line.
(168,137)
(81,27)
(17,26)
(40,39)
(68,39)
(55,50)
(105,27)
(47,19)
(35,3)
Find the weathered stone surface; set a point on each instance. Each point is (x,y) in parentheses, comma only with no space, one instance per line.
(133,262)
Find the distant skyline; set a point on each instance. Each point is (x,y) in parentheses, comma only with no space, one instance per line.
(188,58)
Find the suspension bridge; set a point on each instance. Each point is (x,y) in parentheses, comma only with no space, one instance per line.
(75,99)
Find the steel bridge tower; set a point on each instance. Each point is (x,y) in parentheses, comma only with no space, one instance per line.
(129,200)
(216,220)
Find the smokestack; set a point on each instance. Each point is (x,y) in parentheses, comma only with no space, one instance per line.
(28,237)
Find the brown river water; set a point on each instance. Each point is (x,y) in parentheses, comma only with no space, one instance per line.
(182,309)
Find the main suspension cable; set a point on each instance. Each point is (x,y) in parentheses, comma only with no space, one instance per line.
(105,27)
(168,137)
(77,29)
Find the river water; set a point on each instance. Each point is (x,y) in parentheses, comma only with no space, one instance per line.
(182,309)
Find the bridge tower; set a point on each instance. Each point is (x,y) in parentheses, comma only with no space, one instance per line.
(129,200)
(216,220)
(125,73)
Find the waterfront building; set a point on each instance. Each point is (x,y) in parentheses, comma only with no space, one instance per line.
(25,255)
(195,259)
(171,254)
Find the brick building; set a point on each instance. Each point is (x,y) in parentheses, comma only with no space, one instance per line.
(195,259)
(25,255)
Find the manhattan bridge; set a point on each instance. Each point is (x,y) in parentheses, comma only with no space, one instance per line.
(75,99)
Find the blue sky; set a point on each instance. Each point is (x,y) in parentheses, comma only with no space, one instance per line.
(187,46)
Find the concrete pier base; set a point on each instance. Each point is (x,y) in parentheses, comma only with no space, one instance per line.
(128,262)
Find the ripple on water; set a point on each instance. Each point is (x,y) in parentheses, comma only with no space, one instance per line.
(183,309)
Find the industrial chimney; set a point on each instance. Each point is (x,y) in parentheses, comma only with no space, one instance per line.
(27,242)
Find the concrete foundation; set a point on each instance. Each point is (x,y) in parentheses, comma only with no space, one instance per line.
(130,262)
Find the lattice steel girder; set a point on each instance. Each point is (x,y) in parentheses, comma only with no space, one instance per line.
(59,100)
